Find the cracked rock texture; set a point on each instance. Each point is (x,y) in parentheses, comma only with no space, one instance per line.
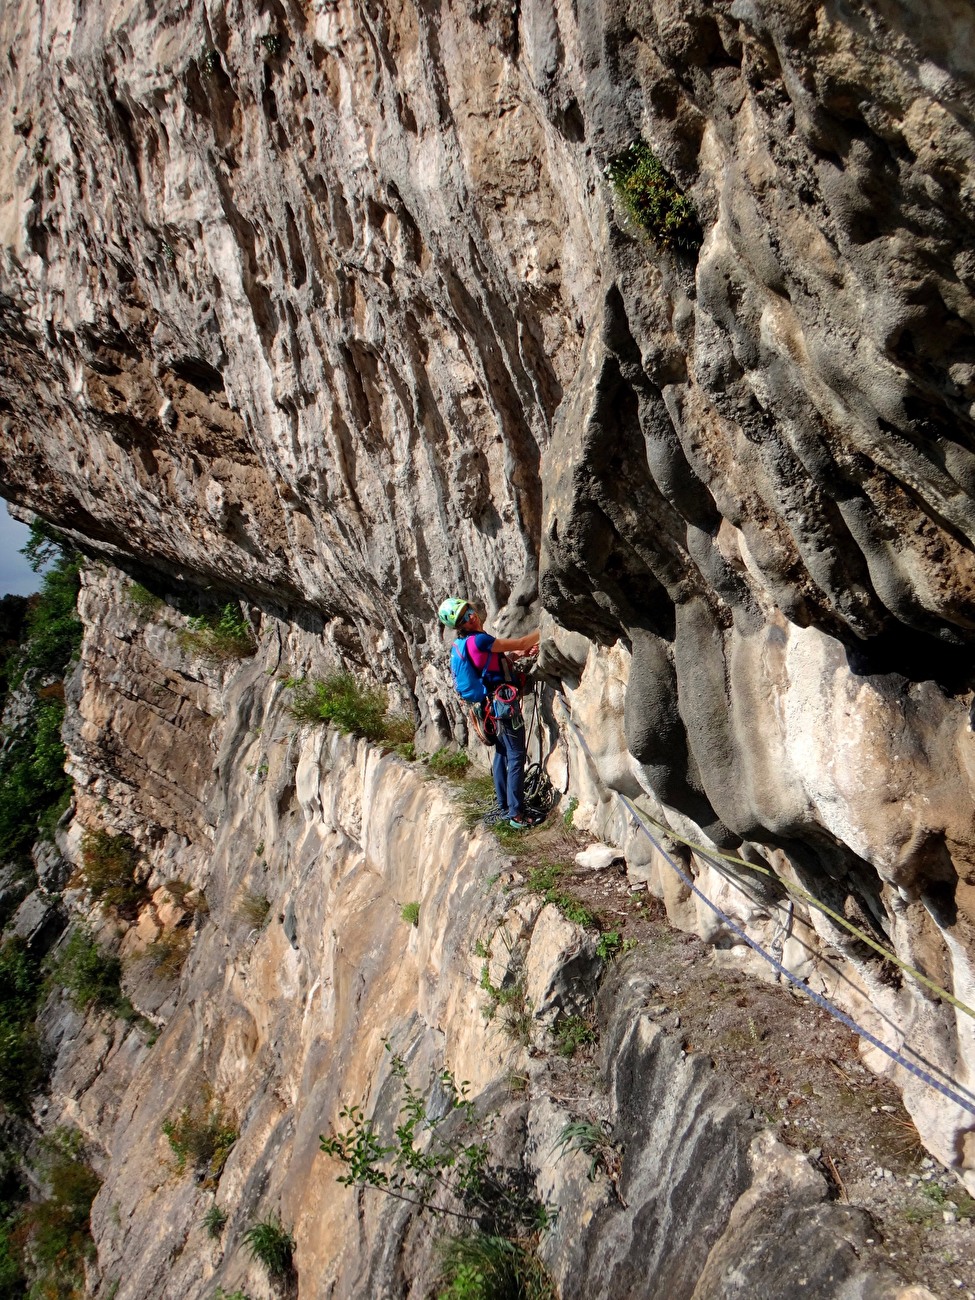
(329,305)
(286,1024)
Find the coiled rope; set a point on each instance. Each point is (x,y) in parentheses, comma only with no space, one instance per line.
(823,1002)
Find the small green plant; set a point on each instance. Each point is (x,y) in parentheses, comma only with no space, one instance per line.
(611,944)
(573,1032)
(923,1215)
(653,198)
(254,908)
(544,880)
(209,61)
(574,910)
(410,912)
(570,812)
(451,763)
(428,1163)
(108,865)
(510,1004)
(201,1138)
(169,952)
(221,1294)
(481,1266)
(90,975)
(592,1140)
(355,709)
(144,603)
(215,1220)
(218,637)
(271,1246)
(405,749)
(272,44)
(608,944)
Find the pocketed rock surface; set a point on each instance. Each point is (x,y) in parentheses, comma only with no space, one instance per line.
(330,308)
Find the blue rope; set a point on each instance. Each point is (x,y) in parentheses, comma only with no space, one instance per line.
(793,979)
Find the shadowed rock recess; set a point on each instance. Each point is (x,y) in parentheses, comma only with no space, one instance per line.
(331,307)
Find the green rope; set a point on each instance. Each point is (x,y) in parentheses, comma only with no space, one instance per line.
(798,892)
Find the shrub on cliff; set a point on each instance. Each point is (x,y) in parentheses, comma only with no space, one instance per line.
(167,955)
(481,1266)
(53,627)
(21,1060)
(253,908)
(56,1232)
(144,604)
(427,1163)
(355,709)
(108,866)
(271,1245)
(451,763)
(218,637)
(201,1137)
(88,973)
(34,789)
(653,198)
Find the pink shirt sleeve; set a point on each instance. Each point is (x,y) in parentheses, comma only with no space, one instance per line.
(480,654)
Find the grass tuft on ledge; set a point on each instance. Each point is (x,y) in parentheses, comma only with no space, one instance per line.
(356,710)
(652,197)
(218,638)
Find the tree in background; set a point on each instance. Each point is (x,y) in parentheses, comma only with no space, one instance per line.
(34,788)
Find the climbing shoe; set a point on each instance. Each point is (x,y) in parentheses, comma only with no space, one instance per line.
(519,824)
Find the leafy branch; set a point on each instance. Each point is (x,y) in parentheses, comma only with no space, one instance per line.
(427,1163)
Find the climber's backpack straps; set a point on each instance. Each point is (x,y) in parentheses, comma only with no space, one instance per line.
(468,679)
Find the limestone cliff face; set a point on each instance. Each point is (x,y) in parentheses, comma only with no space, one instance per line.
(285,1022)
(329,305)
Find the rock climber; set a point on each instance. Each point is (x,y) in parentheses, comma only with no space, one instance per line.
(487,654)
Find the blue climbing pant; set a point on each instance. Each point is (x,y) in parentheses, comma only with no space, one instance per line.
(509,766)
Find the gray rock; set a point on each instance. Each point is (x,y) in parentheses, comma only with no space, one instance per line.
(39,921)
(53,870)
(561,968)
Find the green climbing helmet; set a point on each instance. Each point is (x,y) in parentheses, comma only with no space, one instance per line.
(453,610)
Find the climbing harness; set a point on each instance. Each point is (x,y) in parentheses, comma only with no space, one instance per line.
(486,704)
(539,796)
(967,1103)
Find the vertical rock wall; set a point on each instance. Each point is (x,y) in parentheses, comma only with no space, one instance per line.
(285,1022)
(331,305)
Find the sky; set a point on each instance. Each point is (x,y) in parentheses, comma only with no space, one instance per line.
(16,575)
